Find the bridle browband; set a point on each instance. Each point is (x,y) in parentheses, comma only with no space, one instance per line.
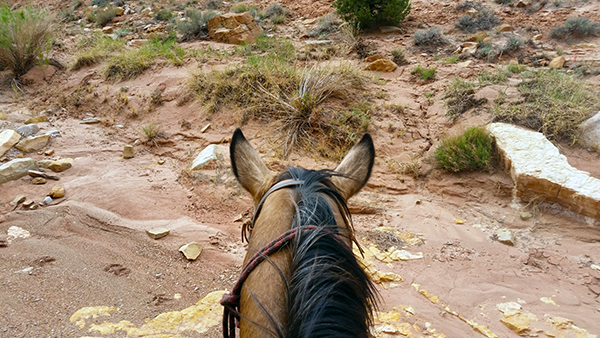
(279,185)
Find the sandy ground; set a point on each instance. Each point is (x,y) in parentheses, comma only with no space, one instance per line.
(90,248)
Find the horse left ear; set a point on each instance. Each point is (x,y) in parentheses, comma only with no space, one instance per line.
(355,168)
(247,165)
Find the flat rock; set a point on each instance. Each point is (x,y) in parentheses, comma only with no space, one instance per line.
(207,157)
(157,233)
(557,62)
(28,129)
(234,28)
(36,119)
(15,169)
(589,132)
(19,199)
(539,170)
(469,47)
(56,165)
(373,58)
(90,120)
(8,139)
(38,180)
(382,65)
(390,29)
(318,42)
(31,144)
(504,28)
(525,215)
(191,251)
(537,37)
(35,173)
(57,192)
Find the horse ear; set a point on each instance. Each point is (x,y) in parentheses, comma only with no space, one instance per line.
(355,167)
(247,165)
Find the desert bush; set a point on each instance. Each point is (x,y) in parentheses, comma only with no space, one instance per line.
(554,103)
(327,24)
(97,48)
(134,62)
(429,37)
(102,15)
(460,98)
(164,15)
(484,20)
(195,26)
(275,10)
(24,36)
(279,19)
(575,27)
(513,43)
(469,151)
(398,57)
(365,14)
(467,5)
(424,73)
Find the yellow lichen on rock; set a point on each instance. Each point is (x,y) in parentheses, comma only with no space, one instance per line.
(82,314)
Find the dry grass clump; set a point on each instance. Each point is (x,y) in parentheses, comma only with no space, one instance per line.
(554,103)
(484,20)
(469,151)
(429,37)
(460,98)
(97,48)
(24,36)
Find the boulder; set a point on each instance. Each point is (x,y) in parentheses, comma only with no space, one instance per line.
(589,133)
(15,169)
(557,62)
(8,139)
(28,129)
(208,156)
(56,165)
(539,170)
(33,143)
(382,65)
(234,28)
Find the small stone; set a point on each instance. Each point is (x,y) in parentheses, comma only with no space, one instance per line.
(120,11)
(47,200)
(311,21)
(537,37)
(525,215)
(49,152)
(557,62)
(191,251)
(57,192)
(36,119)
(56,165)
(318,42)
(28,129)
(128,151)
(27,204)
(382,65)
(465,64)
(209,156)
(157,233)
(505,236)
(505,28)
(390,29)
(33,207)
(8,139)
(469,47)
(205,128)
(90,120)
(19,199)
(35,173)
(32,144)
(459,221)
(107,30)
(161,162)
(3,240)
(38,180)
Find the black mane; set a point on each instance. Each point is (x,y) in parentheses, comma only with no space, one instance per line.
(329,294)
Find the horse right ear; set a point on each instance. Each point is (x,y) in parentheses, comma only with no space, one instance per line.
(247,165)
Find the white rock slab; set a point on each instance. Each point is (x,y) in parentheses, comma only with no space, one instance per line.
(8,139)
(210,154)
(15,169)
(539,170)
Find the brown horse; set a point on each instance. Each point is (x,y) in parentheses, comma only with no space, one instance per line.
(309,283)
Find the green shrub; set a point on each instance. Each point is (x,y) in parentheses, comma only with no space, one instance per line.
(276,10)
(366,14)
(195,26)
(424,73)
(97,48)
(429,37)
(469,151)
(513,43)
(575,27)
(279,19)
(24,36)
(164,15)
(484,20)
(102,15)
(398,57)
(492,78)
(515,67)
(554,103)
(241,8)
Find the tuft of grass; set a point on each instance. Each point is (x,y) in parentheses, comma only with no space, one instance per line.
(429,37)
(554,103)
(98,47)
(164,15)
(279,19)
(513,43)
(460,98)
(195,27)
(469,151)
(241,8)
(424,73)
(152,132)
(484,20)
(24,36)
(398,57)
(515,67)
(486,77)
(275,10)
(134,62)
(451,60)
(575,28)
(102,15)
(327,24)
